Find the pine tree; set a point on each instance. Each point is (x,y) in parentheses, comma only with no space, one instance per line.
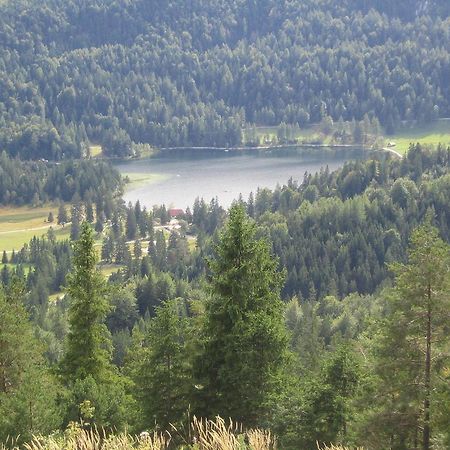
(62,217)
(137,249)
(411,343)
(108,248)
(27,390)
(131,224)
(160,368)
(245,339)
(87,351)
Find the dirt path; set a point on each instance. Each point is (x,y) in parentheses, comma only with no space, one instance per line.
(394,152)
(44,227)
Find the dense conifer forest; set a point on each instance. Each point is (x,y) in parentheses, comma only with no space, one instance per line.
(304,310)
(36,182)
(318,310)
(187,73)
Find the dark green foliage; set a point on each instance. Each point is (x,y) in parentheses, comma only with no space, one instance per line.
(183,73)
(104,405)
(21,182)
(244,342)
(124,312)
(160,368)
(337,367)
(27,389)
(360,219)
(411,347)
(87,352)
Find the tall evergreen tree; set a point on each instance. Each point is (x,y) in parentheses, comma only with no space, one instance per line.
(87,351)
(412,345)
(27,390)
(244,337)
(160,368)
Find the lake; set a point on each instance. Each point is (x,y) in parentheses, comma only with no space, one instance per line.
(178,178)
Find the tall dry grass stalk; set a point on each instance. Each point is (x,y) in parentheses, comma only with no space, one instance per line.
(336,447)
(98,440)
(204,434)
(221,435)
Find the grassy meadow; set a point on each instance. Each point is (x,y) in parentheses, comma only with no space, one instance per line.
(431,134)
(434,133)
(19,224)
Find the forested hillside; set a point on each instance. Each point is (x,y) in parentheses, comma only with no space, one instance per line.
(304,309)
(36,182)
(195,72)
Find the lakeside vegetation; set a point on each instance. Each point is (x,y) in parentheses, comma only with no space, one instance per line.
(134,180)
(369,135)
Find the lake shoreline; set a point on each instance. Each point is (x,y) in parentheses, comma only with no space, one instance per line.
(266,147)
(185,175)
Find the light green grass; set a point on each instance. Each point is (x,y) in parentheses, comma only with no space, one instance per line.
(96,151)
(135,180)
(432,134)
(56,296)
(24,217)
(192,244)
(14,240)
(19,224)
(107,269)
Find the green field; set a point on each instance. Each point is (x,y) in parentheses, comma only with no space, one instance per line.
(432,134)
(19,224)
(107,269)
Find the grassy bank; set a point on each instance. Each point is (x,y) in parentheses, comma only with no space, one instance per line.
(434,133)
(134,180)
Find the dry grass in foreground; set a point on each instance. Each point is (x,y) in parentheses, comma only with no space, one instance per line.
(336,447)
(203,435)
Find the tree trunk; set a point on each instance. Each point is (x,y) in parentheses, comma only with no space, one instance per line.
(426,403)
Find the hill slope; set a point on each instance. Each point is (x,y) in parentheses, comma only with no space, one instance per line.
(192,72)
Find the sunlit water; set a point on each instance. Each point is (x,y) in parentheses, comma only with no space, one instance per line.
(179,179)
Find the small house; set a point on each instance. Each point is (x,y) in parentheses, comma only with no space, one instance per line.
(176,213)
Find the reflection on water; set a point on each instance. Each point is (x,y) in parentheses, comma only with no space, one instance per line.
(225,175)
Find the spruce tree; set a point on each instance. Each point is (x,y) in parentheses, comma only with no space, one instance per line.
(244,336)
(160,368)
(62,217)
(87,342)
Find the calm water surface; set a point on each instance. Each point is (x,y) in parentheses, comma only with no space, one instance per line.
(179,180)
